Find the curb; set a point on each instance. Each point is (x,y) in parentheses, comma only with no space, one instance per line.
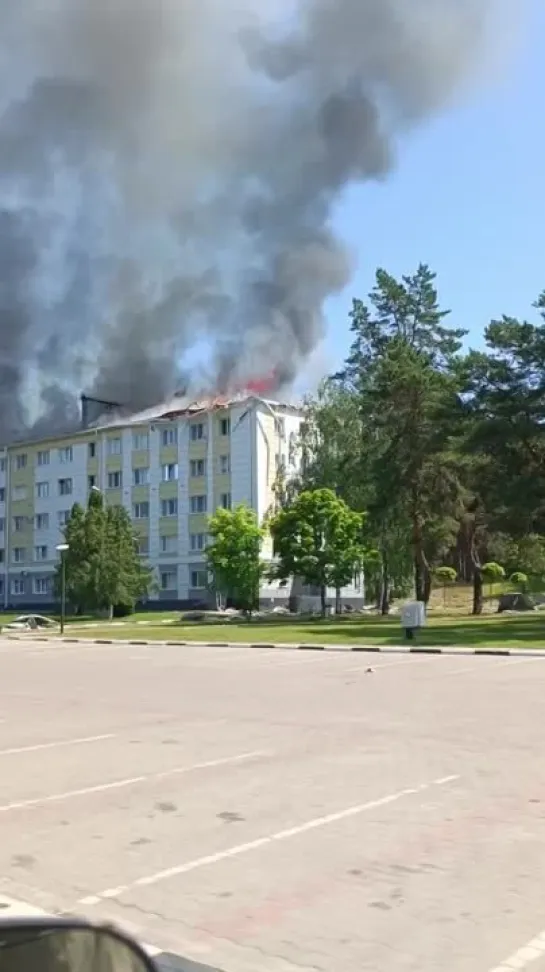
(370,649)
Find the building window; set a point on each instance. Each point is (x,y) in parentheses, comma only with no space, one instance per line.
(114,447)
(2,494)
(225,501)
(3,464)
(169,580)
(43,457)
(65,487)
(19,523)
(196,431)
(114,480)
(142,546)
(2,524)
(225,426)
(225,465)
(42,585)
(197,468)
(42,490)
(21,460)
(66,454)
(19,555)
(169,437)
(140,441)
(91,482)
(18,586)
(42,521)
(169,507)
(197,541)
(140,476)
(141,511)
(198,504)
(170,472)
(40,553)
(169,545)
(19,493)
(2,555)
(281,427)
(199,580)
(92,450)
(62,517)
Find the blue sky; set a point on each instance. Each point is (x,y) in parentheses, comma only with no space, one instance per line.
(468,197)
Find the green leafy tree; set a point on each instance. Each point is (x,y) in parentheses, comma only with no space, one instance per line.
(401,372)
(520,580)
(493,573)
(103,569)
(504,390)
(446,576)
(320,539)
(234,556)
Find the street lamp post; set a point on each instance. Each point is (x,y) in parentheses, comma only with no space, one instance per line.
(62,548)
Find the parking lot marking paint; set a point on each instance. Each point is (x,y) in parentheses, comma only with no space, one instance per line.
(519,960)
(286,834)
(56,745)
(120,784)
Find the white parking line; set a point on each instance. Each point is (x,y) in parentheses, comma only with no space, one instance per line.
(534,949)
(56,745)
(251,845)
(119,784)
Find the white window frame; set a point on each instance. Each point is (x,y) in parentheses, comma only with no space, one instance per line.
(225,426)
(224,465)
(170,541)
(17,586)
(197,468)
(42,521)
(173,574)
(38,558)
(193,503)
(66,454)
(140,441)
(69,483)
(19,555)
(140,470)
(226,501)
(199,586)
(41,582)
(63,517)
(114,446)
(42,490)
(43,457)
(197,432)
(169,472)
(113,473)
(197,542)
(136,515)
(166,511)
(169,436)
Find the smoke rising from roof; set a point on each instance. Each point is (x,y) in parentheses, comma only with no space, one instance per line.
(168,170)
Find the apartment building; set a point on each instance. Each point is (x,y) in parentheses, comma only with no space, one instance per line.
(170,467)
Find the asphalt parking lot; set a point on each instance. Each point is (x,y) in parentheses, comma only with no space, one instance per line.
(280,810)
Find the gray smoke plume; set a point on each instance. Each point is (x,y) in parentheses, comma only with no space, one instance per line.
(168,171)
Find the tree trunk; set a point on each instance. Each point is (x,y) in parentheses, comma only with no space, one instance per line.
(323,593)
(477,590)
(422,573)
(338,605)
(477,581)
(385,586)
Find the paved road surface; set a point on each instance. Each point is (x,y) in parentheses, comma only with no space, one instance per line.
(279,810)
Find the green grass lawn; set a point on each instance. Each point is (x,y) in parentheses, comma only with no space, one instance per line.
(525,631)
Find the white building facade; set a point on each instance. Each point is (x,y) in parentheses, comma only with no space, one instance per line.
(171,468)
